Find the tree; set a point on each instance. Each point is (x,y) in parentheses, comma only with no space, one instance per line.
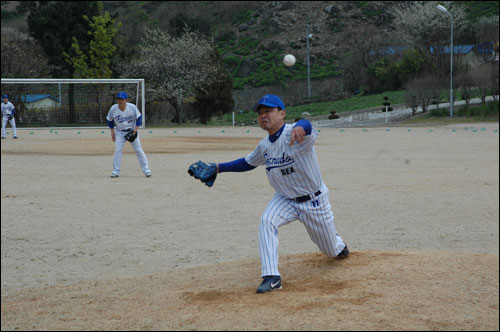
(487,29)
(382,76)
(181,20)
(485,80)
(96,64)
(412,63)
(387,75)
(359,48)
(421,91)
(174,67)
(53,24)
(487,36)
(420,25)
(494,81)
(463,81)
(218,97)
(22,57)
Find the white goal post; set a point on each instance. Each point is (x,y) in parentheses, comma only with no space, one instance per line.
(69,103)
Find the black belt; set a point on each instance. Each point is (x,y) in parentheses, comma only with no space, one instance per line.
(126,130)
(303,199)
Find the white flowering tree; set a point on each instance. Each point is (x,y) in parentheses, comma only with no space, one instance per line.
(419,24)
(173,67)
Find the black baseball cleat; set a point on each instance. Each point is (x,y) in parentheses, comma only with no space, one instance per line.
(269,284)
(344,253)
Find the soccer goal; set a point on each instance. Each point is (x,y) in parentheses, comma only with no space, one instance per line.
(69,103)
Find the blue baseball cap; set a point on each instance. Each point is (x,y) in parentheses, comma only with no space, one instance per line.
(270,101)
(5,96)
(122,95)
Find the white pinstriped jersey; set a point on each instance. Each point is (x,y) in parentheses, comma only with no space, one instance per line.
(124,119)
(292,170)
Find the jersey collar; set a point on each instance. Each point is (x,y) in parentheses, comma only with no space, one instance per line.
(276,135)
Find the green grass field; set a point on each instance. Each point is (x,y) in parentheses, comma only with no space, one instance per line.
(323,108)
(488,112)
(478,113)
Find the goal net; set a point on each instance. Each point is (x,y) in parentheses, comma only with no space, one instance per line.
(70,103)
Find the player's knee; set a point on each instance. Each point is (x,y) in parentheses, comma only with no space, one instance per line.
(264,219)
(267,222)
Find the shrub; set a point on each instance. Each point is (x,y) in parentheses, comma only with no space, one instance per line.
(440,112)
(484,110)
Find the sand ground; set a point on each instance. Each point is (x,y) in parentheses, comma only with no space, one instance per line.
(418,207)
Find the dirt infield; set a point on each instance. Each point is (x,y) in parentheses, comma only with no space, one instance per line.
(418,206)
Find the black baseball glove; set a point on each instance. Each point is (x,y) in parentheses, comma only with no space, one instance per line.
(10,117)
(206,173)
(131,136)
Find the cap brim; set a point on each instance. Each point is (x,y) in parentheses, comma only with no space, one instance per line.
(256,107)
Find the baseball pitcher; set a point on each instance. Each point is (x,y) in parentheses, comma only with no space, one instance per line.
(292,169)
(127,119)
(8,111)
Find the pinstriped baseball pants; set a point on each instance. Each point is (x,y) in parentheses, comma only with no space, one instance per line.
(317,217)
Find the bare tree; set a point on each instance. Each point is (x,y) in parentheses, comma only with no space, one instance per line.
(463,82)
(481,77)
(487,34)
(494,80)
(22,57)
(173,67)
(422,91)
(360,47)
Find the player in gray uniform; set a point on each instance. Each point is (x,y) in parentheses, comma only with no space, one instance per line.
(292,169)
(8,111)
(126,117)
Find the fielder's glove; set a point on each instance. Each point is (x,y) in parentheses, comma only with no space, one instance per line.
(131,136)
(10,117)
(206,173)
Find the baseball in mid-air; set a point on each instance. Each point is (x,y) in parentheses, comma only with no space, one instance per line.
(289,60)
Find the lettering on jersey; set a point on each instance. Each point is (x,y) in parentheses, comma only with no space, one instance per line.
(287,171)
(121,118)
(277,162)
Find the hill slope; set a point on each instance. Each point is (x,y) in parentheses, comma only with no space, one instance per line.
(253,36)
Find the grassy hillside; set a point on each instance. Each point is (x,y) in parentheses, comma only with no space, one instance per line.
(324,108)
(253,36)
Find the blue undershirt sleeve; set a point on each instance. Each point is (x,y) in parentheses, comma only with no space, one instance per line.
(238,165)
(139,121)
(111,124)
(304,124)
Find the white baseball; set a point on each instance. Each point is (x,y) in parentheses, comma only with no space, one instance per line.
(289,60)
